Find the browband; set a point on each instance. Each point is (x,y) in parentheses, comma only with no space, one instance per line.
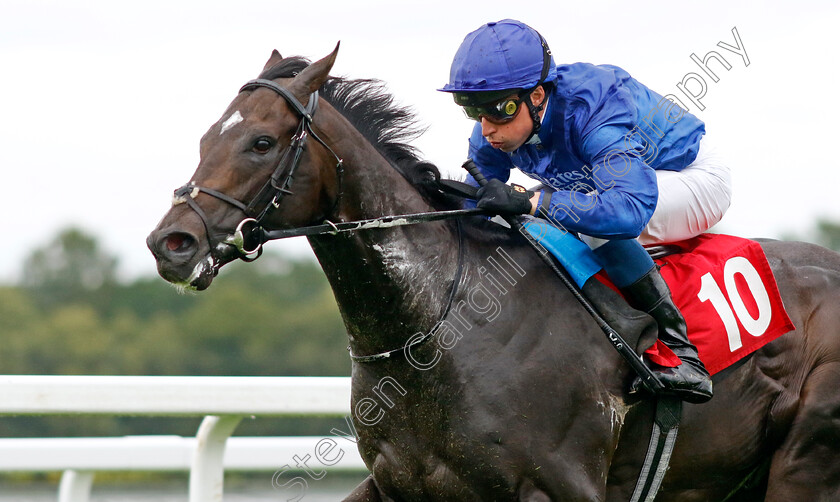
(305,112)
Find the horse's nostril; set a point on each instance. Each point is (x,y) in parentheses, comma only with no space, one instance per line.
(173,242)
(178,242)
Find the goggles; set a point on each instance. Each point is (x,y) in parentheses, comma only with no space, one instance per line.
(498,112)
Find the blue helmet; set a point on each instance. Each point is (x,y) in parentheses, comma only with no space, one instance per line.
(503,55)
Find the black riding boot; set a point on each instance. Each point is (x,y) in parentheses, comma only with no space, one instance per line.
(690,381)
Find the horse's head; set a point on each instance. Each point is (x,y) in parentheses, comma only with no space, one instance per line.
(248,160)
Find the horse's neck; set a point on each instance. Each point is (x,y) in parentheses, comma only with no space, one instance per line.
(387,282)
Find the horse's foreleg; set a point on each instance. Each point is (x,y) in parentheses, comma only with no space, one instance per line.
(367,492)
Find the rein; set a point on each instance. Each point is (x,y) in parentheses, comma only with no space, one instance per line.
(397,220)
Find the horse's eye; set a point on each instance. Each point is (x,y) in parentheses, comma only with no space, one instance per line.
(263,144)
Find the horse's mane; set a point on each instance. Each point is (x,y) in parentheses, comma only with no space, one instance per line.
(367,105)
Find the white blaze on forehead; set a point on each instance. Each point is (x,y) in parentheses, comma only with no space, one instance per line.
(231,121)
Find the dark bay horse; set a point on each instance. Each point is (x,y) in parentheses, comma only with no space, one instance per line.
(518,396)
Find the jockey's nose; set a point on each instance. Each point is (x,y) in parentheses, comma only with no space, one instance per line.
(487,127)
(173,246)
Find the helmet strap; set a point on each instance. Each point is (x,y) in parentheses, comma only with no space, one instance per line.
(534,111)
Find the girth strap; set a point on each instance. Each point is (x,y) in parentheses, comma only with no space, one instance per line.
(666,424)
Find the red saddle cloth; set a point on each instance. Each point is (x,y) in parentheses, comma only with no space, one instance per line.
(726,290)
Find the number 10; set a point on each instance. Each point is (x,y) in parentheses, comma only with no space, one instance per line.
(709,290)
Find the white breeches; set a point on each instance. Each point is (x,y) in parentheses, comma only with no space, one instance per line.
(691,201)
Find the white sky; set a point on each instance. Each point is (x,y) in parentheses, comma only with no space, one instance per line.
(103,103)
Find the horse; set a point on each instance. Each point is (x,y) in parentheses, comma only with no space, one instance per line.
(518,396)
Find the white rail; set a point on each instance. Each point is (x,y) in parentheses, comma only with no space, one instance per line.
(162,453)
(223,401)
(173,396)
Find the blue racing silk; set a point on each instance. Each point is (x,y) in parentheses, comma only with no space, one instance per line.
(576,257)
(602,136)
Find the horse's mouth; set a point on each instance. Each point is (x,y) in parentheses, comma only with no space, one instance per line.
(186,262)
(196,279)
(201,275)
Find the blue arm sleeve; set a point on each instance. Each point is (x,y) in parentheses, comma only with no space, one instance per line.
(626,191)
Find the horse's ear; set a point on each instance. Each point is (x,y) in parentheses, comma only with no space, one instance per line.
(273,60)
(314,75)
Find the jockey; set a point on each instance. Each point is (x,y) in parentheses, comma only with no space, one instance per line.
(620,165)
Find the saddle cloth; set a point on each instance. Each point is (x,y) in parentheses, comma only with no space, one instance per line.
(728,295)
(722,284)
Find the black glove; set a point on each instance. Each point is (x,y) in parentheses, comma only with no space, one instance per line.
(504,199)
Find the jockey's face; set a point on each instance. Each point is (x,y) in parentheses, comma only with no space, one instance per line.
(509,136)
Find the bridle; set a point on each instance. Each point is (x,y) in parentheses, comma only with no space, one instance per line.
(248,238)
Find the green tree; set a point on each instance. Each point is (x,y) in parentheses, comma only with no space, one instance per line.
(825,233)
(71,316)
(828,234)
(71,267)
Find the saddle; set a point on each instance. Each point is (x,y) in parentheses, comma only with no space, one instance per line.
(722,284)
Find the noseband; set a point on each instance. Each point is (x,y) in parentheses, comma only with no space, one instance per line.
(247,239)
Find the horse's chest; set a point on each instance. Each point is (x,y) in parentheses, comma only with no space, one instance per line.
(418,457)
(430,469)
